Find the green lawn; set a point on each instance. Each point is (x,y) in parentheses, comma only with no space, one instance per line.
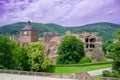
(71,70)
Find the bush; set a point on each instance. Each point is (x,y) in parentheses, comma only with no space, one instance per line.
(104,60)
(79,65)
(110,55)
(116,74)
(2,67)
(106,73)
(85,60)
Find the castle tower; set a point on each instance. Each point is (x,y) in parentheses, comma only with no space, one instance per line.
(28,34)
(93,46)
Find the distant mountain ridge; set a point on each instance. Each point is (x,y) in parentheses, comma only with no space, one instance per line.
(106,30)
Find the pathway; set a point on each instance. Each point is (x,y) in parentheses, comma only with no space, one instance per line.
(24,77)
(98,72)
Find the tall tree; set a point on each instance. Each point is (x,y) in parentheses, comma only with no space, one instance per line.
(12,56)
(20,57)
(70,50)
(116,64)
(6,51)
(38,61)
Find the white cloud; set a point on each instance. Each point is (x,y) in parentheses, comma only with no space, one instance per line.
(53,10)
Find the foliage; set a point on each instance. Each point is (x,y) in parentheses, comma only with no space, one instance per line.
(2,67)
(105,45)
(100,28)
(111,55)
(117,33)
(85,60)
(104,59)
(6,51)
(70,50)
(37,59)
(116,59)
(106,73)
(116,74)
(12,56)
(116,64)
(108,48)
(20,57)
(82,65)
(14,29)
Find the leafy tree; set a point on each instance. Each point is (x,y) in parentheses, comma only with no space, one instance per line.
(117,33)
(37,59)
(12,56)
(70,50)
(20,57)
(105,45)
(116,64)
(6,51)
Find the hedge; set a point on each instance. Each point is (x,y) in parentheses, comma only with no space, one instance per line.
(80,65)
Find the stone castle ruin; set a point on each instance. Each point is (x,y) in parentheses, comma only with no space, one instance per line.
(92,42)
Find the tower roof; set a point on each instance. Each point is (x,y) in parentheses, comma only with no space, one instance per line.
(28,27)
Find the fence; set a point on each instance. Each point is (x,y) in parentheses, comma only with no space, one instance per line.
(64,76)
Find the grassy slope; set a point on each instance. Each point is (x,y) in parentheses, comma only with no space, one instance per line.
(71,70)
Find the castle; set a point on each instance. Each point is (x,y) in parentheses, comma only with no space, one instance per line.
(92,42)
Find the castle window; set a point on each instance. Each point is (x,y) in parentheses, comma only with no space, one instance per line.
(92,46)
(86,40)
(86,45)
(92,40)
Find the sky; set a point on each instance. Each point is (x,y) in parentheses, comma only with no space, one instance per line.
(62,12)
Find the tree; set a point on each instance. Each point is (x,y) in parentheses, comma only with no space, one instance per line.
(106,44)
(70,50)
(37,59)
(116,50)
(20,57)
(116,64)
(6,51)
(117,33)
(12,56)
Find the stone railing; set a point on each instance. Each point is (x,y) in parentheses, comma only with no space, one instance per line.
(54,75)
(27,73)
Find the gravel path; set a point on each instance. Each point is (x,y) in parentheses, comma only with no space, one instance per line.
(23,77)
(98,72)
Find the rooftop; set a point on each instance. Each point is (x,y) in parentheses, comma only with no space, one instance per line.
(28,27)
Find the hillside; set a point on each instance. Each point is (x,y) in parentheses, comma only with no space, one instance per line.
(106,30)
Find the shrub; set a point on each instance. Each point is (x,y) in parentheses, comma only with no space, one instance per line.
(116,74)
(106,73)
(104,59)
(2,67)
(111,55)
(85,60)
(79,65)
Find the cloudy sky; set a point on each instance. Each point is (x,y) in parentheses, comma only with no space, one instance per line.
(63,12)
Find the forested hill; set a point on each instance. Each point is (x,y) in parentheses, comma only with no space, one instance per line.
(106,30)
